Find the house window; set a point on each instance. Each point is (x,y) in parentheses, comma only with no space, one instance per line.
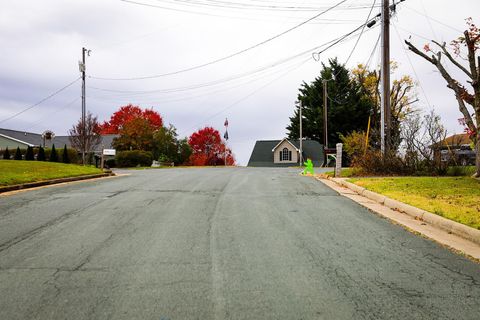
(285,155)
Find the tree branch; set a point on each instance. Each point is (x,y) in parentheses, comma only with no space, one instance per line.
(449,56)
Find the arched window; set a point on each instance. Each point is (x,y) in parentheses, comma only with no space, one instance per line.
(286,155)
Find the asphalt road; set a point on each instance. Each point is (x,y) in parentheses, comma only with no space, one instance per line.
(219,244)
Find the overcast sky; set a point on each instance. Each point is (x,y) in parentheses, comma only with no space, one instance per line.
(256,90)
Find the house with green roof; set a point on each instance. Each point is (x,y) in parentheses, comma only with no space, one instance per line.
(285,153)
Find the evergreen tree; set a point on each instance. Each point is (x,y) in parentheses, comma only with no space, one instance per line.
(18,154)
(348,109)
(29,155)
(53,154)
(6,154)
(65,158)
(41,154)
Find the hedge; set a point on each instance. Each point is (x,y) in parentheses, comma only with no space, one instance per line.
(133,158)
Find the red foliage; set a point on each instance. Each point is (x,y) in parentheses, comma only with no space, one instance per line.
(208,148)
(126,114)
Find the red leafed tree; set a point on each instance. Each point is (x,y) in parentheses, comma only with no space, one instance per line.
(128,113)
(208,148)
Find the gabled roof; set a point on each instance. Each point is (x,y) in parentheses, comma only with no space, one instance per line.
(11,138)
(28,138)
(35,139)
(262,155)
(273,150)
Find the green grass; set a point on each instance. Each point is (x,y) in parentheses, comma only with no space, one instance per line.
(21,171)
(345,173)
(455,198)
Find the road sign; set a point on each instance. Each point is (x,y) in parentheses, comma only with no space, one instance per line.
(108,152)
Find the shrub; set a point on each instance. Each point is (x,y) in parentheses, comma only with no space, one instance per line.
(53,154)
(6,154)
(65,157)
(18,154)
(29,155)
(41,154)
(110,163)
(133,158)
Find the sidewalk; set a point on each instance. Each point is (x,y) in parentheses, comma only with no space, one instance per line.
(460,238)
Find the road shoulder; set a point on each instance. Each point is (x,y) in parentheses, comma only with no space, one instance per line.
(447,238)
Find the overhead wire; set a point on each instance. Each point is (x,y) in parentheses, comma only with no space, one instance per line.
(228,56)
(41,101)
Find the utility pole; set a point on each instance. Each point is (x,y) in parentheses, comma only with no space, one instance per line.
(325,115)
(300,158)
(385,79)
(82,70)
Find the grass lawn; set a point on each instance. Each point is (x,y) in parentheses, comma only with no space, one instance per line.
(455,198)
(22,171)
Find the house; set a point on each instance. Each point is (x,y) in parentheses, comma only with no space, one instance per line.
(22,139)
(285,153)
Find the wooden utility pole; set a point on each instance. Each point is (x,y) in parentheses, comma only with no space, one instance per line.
(300,158)
(325,115)
(82,70)
(385,79)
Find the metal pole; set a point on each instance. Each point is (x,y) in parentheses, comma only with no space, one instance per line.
(300,158)
(385,78)
(83,106)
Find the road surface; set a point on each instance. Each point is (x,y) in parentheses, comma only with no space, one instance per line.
(217,243)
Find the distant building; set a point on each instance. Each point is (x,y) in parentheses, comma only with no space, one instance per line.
(13,139)
(285,153)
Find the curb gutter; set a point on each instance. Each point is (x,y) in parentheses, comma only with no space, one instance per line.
(450,226)
(52,181)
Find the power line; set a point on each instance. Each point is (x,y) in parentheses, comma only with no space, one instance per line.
(63,108)
(228,56)
(41,101)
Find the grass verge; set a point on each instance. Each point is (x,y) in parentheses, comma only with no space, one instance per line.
(21,171)
(455,198)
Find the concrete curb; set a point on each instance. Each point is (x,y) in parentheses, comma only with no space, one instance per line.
(52,181)
(450,226)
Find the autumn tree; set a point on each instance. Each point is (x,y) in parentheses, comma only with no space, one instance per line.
(208,148)
(128,113)
(402,96)
(85,137)
(468,101)
(136,134)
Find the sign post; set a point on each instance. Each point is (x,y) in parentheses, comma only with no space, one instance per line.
(106,152)
(338,162)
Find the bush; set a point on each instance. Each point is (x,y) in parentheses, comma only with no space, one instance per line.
(41,154)
(29,155)
(18,154)
(110,163)
(6,154)
(134,158)
(65,157)
(53,154)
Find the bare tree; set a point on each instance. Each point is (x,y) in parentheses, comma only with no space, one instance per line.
(92,134)
(465,99)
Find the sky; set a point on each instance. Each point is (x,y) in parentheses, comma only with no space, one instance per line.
(198,62)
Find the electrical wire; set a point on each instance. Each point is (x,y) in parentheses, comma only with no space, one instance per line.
(56,111)
(228,56)
(411,65)
(41,101)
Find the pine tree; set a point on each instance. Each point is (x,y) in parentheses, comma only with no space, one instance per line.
(65,158)
(29,155)
(53,154)
(18,154)
(6,154)
(41,154)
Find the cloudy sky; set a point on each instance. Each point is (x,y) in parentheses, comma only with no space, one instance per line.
(180,58)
